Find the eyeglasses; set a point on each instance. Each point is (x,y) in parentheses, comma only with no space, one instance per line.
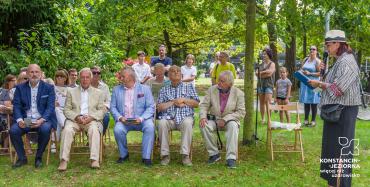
(96,73)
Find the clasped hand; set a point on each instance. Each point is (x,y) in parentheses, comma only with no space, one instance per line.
(84,119)
(179,102)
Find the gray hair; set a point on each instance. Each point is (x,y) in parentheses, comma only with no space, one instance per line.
(130,70)
(228,75)
(158,65)
(85,70)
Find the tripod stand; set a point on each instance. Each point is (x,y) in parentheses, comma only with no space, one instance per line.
(257,68)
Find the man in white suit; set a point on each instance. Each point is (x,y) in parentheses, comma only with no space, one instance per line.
(222,108)
(84,110)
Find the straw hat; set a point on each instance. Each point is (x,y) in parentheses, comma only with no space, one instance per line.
(335,36)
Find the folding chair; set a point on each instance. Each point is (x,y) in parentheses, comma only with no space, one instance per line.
(274,126)
(6,133)
(53,133)
(81,142)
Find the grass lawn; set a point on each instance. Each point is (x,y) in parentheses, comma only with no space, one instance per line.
(255,167)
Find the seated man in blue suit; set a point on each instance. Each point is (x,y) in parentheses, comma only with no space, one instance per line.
(132,107)
(33,110)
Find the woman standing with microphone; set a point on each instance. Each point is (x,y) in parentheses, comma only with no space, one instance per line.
(339,108)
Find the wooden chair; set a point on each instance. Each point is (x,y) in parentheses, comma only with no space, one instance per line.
(53,133)
(81,142)
(107,137)
(6,132)
(277,126)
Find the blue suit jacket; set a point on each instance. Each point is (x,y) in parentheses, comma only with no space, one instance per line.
(144,106)
(45,102)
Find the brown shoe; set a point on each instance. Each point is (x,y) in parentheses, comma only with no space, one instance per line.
(186,160)
(62,165)
(95,164)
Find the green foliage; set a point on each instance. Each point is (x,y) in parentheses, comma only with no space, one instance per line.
(10,62)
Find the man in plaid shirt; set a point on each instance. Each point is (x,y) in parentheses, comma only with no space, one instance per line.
(176,103)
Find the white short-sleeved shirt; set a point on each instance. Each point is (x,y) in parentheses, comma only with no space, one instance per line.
(141,71)
(187,72)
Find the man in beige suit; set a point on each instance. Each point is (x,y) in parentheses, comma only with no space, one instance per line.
(222,109)
(84,110)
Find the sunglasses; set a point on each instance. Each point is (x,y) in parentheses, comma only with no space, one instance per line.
(25,79)
(312,49)
(96,73)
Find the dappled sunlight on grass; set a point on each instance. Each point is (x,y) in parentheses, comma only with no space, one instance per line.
(254,169)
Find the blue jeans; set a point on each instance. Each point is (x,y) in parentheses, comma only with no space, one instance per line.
(16,134)
(120,133)
(106,122)
(265,90)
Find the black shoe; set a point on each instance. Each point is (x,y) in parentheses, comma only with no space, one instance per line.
(213,159)
(231,163)
(20,163)
(147,162)
(121,160)
(38,163)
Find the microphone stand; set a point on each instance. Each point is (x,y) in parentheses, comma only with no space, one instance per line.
(258,87)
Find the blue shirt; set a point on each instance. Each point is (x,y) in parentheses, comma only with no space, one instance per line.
(169,93)
(166,61)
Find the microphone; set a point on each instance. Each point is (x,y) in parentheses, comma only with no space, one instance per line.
(325,60)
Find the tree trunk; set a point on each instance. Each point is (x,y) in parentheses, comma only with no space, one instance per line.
(271,29)
(304,29)
(248,128)
(168,43)
(290,52)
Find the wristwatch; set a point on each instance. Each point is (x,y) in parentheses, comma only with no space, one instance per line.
(320,86)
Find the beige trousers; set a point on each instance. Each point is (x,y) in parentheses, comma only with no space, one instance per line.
(210,138)
(186,129)
(69,132)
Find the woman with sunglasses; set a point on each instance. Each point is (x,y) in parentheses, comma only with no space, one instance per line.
(340,87)
(307,96)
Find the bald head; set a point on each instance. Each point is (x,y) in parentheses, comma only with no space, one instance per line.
(33,66)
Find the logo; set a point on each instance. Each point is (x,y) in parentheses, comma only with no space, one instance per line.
(346,146)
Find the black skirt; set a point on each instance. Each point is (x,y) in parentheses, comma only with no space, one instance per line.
(337,144)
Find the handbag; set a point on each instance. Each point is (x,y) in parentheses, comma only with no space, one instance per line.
(331,112)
